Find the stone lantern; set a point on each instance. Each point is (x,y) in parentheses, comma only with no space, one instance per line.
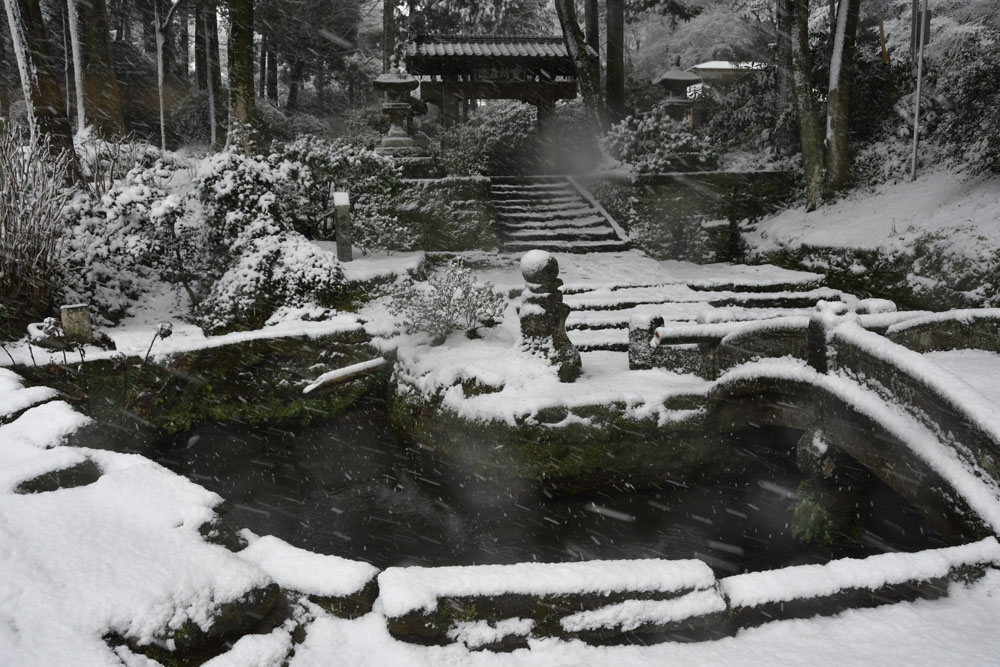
(397,87)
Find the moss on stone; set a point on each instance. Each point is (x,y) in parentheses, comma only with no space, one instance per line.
(251,382)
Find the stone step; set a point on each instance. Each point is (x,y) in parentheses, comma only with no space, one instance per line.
(563,234)
(568,246)
(532,186)
(591,221)
(621,299)
(591,340)
(534,193)
(570,204)
(564,214)
(554,200)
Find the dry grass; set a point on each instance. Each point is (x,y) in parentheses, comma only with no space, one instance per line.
(32,199)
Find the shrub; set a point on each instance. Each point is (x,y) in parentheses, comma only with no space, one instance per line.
(499,138)
(372,181)
(251,251)
(655,143)
(31,226)
(451,214)
(123,240)
(451,299)
(104,161)
(969,99)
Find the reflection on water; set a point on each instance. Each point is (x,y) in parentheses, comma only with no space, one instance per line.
(353,488)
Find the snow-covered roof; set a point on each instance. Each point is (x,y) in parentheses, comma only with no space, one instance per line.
(727,65)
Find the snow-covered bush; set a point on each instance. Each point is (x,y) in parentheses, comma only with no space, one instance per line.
(104,161)
(122,241)
(498,138)
(32,199)
(254,257)
(451,299)
(451,214)
(372,181)
(656,143)
(740,112)
(969,98)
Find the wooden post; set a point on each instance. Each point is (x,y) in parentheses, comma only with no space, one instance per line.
(342,225)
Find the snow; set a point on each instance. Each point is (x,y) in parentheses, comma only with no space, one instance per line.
(305,571)
(963,209)
(964,316)
(534,261)
(810,581)
(957,630)
(344,373)
(631,614)
(406,589)
(980,369)
(481,633)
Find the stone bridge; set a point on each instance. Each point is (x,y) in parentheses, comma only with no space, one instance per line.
(870,387)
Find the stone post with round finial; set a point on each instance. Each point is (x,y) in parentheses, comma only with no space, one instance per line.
(543,315)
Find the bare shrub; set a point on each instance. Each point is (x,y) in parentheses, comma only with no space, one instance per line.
(32,197)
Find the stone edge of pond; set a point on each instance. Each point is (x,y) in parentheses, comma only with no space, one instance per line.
(567,448)
(253,382)
(693,612)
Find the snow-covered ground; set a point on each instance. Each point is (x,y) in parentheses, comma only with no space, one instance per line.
(123,554)
(964,210)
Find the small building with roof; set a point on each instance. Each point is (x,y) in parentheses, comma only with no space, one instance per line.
(454,70)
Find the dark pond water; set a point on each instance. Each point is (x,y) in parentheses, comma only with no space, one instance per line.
(353,488)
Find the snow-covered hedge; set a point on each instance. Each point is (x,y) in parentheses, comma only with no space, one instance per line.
(372,181)
(655,143)
(251,250)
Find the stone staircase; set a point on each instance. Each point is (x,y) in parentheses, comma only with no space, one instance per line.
(552,213)
(600,315)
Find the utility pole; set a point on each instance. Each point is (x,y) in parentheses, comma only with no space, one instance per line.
(916,100)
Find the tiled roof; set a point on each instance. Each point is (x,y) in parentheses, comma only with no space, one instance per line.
(490,47)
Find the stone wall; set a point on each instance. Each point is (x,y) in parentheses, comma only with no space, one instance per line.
(690,216)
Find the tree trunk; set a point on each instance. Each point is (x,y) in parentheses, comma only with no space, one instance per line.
(214,63)
(4,80)
(388,33)
(784,111)
(42,95)
(592,21)
(262,81)
(243,129)
(805,105)
(614,77)
(298,70)
(200,45)
(95,73)
(586,61)
(321,83)
(838,157)
(183,60)
(272,72)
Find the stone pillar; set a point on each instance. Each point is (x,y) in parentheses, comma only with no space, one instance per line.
(543,315)
(822,322)
(76,323)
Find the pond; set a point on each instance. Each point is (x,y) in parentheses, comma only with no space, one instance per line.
(354,488)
